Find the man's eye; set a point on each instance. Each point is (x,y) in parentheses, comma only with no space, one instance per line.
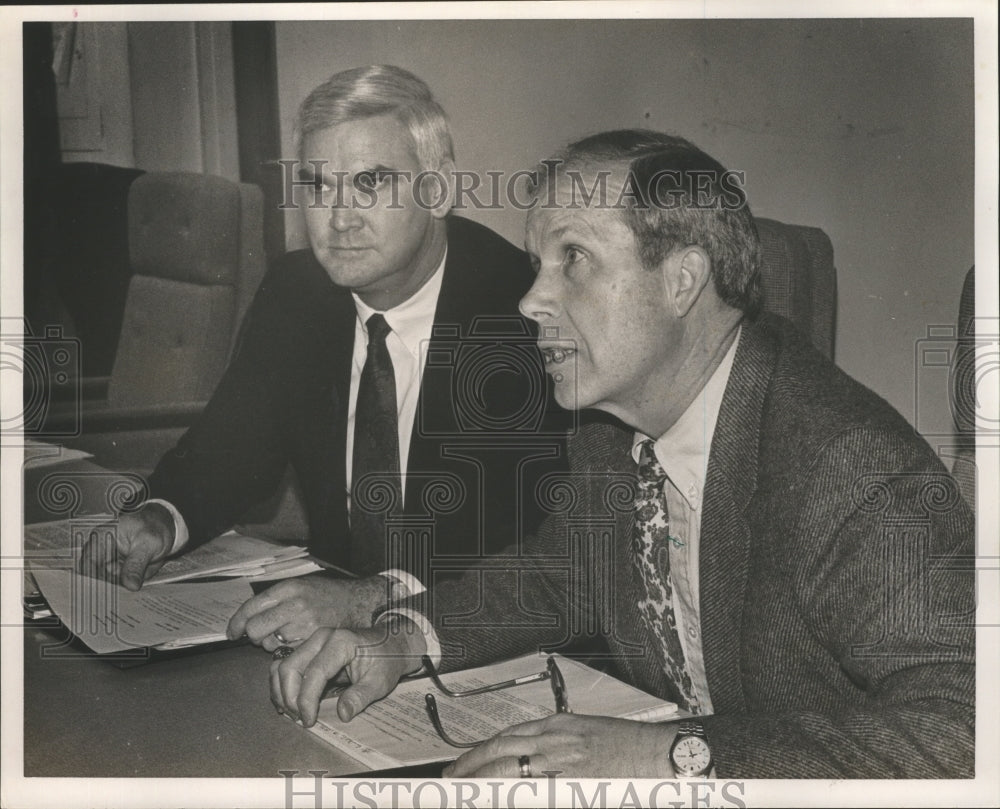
(573,255)
(370,180)
(311,179)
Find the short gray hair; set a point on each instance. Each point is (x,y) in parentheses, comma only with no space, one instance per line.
(726,232)
(364,92)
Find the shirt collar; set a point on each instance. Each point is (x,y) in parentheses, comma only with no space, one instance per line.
(683,449)
(410,321)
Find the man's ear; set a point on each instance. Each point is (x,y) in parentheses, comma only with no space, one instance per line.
(685,271)
(437,189)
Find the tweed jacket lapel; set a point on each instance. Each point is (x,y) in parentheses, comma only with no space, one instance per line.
(731,481)
(602,453)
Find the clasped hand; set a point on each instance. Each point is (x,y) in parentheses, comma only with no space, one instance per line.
(368,661)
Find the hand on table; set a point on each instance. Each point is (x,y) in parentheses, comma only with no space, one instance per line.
(295,608)
(132,548)
(372,660)
(575,746)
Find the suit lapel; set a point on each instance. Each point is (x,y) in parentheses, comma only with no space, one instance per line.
(725,532)
(435,409)
(602,453)
(334,366)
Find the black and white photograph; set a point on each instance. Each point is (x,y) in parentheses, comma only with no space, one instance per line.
(500,404)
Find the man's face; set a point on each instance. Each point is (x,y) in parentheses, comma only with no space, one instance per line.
(605,327)
(369,235)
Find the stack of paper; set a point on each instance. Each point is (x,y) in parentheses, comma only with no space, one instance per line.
(234,555)
(230,555)
(34,603)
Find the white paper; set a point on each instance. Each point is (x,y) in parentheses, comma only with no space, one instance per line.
(55,539)
(397,731)
(38,454)
(109,618)
(233,552)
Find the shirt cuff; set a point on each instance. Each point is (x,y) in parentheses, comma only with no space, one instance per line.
(180,527)
(433,650)
(412,586)
(410,583)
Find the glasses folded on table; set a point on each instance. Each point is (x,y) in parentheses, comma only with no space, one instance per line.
(551,673)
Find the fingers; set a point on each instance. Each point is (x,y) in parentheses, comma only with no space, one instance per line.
(135,565)
(538,767)
(499,757)
(286,676)
(372,685)
(250,609)
(128,550)
(98,551)
(298,681)
(374,662)
(539,739)
(282,609)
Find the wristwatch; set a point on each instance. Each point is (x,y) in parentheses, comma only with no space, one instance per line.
(690,753)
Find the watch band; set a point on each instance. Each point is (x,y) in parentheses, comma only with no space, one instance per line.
(691,727)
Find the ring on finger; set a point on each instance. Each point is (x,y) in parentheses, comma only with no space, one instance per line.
(524,762)
(282,652)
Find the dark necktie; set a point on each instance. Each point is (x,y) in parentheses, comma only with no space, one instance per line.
(652,559)
(375,480)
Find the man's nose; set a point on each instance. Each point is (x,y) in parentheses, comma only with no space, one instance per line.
(344,214)
(540,303)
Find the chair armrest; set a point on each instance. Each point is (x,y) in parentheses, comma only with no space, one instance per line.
(106,419)
(88,388)
(146,417)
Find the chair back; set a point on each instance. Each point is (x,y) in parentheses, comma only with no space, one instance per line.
(197,257)
(963,391)
(799,280)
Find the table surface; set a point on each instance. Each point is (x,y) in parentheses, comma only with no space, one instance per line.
(202,714)
(206,714)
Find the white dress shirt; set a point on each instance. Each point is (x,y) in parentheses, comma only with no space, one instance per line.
(411,323)
(683,452)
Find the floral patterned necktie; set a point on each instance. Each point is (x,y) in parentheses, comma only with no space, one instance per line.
(652,560)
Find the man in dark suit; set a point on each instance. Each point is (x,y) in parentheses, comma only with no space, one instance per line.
(388,364)
(767,542)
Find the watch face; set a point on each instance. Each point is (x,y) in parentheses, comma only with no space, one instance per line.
(691,756)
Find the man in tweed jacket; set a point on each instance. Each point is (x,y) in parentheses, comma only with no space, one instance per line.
(815,543)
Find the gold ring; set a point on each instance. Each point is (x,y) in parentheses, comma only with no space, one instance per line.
(524,762)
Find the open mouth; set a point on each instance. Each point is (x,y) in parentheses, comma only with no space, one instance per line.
(557,355)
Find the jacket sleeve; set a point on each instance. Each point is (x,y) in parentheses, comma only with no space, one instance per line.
(877,555)
(234,455)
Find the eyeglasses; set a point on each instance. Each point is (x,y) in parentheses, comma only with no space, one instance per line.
(551,673)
